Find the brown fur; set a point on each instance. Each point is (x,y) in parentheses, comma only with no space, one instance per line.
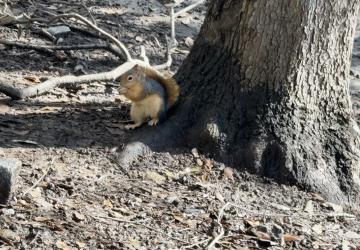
(170,85)
(149,107)
(144,107)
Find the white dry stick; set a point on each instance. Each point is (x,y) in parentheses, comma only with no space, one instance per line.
(143,55)
(188,8)
(41,177)
(101,31)
(222,231)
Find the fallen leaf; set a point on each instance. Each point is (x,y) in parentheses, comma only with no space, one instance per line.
(9,234)
(80,244)
(252,223)
(4,108)
(309,207)
(208,164)
(317,197)
(155,177)
(78,216)
(290,238)
(219,197)
(261,235)
(108,204)
(229,173)
(318,229)
(42,219)
(62,245)
(47,109)
(33,79)
(35,193)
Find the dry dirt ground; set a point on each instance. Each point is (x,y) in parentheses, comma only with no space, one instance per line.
(70,139)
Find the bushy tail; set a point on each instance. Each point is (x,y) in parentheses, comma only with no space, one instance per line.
(171,87)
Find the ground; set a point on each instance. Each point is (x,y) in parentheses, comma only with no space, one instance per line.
(72,193)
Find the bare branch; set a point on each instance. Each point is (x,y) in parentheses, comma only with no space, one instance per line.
(48,49)
(47,85)
(83,3)
(101,31)
(188,8)
(143,55)
(222,230)
(168,63)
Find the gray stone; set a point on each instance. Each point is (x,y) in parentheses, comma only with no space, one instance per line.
(58,30)
(8,172)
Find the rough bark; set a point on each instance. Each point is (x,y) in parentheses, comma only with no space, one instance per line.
(265,88)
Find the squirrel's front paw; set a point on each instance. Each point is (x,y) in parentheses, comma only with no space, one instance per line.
(153,122)
(132,126)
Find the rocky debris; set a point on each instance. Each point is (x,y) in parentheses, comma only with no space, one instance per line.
(8,172)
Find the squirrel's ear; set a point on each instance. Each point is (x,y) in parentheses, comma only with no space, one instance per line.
(136,67)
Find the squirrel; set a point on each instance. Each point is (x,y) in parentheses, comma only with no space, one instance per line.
(151,94)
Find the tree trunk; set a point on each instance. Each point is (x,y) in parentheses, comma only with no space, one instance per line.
(265,88)
(269,82)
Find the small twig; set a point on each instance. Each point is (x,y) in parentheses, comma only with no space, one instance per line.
(222,231)
(41,177)
(89,12)
(195,244)
(143,55)
(96,28)
(168,63)
(188,8)
(6,240)
(36,236)
(172,26)
(137,223)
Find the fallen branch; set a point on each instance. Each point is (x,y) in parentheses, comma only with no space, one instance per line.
(47,85)
(48,49)
(41,177)
(96,28)
(222,230)
(115,46)
(188,8)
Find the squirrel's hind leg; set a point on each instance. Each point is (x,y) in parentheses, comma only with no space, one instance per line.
(137,115)
(156,109)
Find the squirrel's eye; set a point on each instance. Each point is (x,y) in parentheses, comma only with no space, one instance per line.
(130,78)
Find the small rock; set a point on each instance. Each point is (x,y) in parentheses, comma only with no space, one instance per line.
(11,235)
(8,172)
(317,197)
(229,173)
(189,41)
(172,200)
(195,152)
(352,235)
(280,207)
(219,197)
(139,39)
(309,207)
(199,162)
(57,30)
(318,229)
(9,211)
